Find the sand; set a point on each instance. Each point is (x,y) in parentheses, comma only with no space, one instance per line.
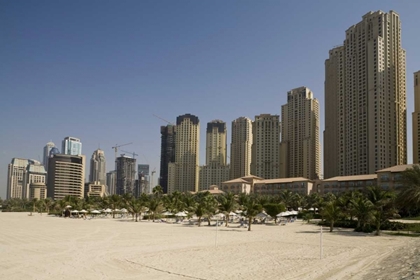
(45,247)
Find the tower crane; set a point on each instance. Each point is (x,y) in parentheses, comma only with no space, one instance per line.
(131,153)
(116,148)
(163,119)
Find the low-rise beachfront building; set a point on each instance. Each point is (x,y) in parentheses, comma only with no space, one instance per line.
(299,185)
(241,185)
(341,184)
(390,178)
(95,189)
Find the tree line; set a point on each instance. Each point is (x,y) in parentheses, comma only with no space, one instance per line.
(367,210)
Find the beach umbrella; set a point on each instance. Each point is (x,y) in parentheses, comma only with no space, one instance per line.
(124,210)
(181,214)
(284,214)
(95,212)
(75,211)
(83,211)
(219,216)
(262,215)
(107,210)
(68,206)
(167,213)
(232,214)
(293,212)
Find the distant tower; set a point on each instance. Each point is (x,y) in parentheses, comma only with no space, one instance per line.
(144,178)
(47,150)
(186,166)
(416,119)
(126,175)
(71,146)
(98,167)
(167,153)
(111,179)
(266,146)
(215,171)
(241,148)
(300,148)
(16,178)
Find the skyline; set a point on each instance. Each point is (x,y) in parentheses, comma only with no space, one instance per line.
(91,78)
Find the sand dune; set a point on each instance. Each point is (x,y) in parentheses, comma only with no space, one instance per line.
(43,247)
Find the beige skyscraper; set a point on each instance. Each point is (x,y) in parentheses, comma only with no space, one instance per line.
(365,99)
(183,173)
(266,146)
(215,171)
(241,148)
(300,148)
(416,118)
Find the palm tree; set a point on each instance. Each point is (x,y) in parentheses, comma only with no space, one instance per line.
(227,204)
(409,197)
(332,213)
(135,207)
(155,206)
(287,198)
(48,204)
(113,202)
(382,201)
(363,210)
(158,190)
(34,202)
(273,209)
(252,208)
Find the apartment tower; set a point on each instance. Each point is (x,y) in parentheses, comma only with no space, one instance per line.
(300,147)
(241,148)
(66,176)
(71,146)
(98,167)
(167,153)
(365,99)
(416,119)
(216,170)
(126,175)
(47,150)
(266,146)
(184,171)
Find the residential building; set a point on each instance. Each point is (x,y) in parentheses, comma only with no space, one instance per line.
(241,148)
(416,119)
(35,174)
(300,185)
(167,153)
(95,189)
(390,178)
(126,175)
(66,176)
(243,184)
(16,178)
(365,97)
(71,146)
(144,178)
(111,181)
(186,163)
(341,184)
(98,167)
(266,146)
(300,154)
(216,170)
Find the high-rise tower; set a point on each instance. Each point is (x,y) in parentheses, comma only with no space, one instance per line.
(184,171)
(299,149)
(365,97)
(215,171)
(167,153)
(266,146)
(241,148)
(416,118)
(66,176)
(71,146)
(126,175)
(98,167)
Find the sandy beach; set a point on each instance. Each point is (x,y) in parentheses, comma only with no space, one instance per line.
(46,247)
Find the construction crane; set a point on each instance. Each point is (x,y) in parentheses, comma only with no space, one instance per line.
(163,119)
(131,153)
(116,148)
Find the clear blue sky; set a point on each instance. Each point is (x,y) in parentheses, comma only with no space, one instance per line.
(99,70)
